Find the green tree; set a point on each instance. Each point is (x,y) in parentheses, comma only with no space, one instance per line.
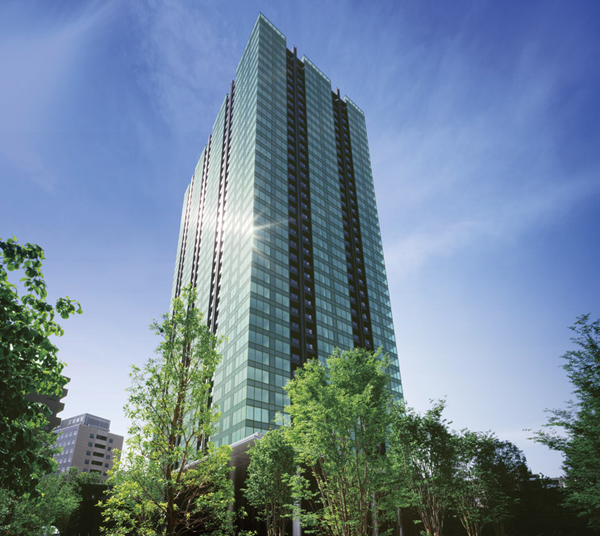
(579,441)
(339,420)
(57,498)
(490,473)
(472,485)
(171,479)
(28,364)
(424,455)
(508,465)
(269,485)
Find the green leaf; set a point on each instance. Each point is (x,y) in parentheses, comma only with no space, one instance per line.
(30,366)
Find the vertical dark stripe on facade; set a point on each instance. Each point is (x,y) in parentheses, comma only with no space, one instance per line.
(186,228)
(215,282)
(303,329)
(359,300)
(199,222)
(198,240)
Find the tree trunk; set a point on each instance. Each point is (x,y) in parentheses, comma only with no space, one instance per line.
(399,531)
(499,529)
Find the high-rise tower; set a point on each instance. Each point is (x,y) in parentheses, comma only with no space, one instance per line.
(280,233)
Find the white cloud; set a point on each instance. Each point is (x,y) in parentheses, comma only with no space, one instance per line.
(411,252)
(479,161)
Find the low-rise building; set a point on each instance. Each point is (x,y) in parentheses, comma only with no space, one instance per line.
(87,444)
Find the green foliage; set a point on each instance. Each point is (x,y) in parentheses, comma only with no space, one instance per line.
(470,493)
(271,473)
(28,364)
(57,498)
(474,476)
(138,501)
(424,456)
(367,458)
(339,420)
(490,473)
(580,423)
(171,478)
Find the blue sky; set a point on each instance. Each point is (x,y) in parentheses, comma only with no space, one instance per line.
(483,122)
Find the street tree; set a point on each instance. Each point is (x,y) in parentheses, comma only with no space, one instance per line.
(508,465)
(270,482)
(489,476)
(424,455)
(575,431)
(339,419)
(171,479)
(54,504)
(28,364)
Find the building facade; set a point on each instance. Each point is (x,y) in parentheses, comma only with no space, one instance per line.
(87,444)
(280,233)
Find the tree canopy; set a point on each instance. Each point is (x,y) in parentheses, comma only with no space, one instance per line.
(490,474)
(269,486)
(424,453)
(580,422)
(339,419)
(369,456)
(56,500)
(171,479)
(28,364)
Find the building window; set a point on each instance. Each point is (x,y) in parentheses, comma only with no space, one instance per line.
(105,465)
(88,453)
(110,441)
(108,456)
(87,462)
(92,436)
(90,444)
